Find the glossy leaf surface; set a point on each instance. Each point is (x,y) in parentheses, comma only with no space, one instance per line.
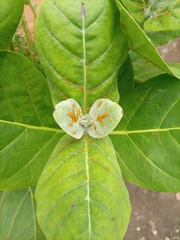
(76,42)
(10,15)
(81,194)
(26,122)
(147,140)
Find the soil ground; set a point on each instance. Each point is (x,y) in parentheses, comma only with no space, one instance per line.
(155,216)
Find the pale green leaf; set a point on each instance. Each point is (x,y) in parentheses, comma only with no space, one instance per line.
(81,194)
(10,15)
(26,122)
(147,140)
(76,42)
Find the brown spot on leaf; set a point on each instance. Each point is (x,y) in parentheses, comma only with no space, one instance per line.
(75,115)
(100,102)
(101,117)
(73,205)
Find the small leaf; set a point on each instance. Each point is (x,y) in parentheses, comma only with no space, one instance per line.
(103,117)
(159,19)
(68,114)
(164,20)
(10,15)
(147,140)
(107,115)
(138,41)
(81,194)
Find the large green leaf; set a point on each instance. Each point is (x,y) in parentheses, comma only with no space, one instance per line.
(138,41)
(81,47)
(10,15)
(147,139)
(26,122)
(17,215)
(81,194)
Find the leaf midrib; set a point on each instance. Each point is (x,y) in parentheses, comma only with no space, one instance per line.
(42,128)
(116,132)
(127,132)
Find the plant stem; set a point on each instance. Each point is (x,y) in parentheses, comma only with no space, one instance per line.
(28,37)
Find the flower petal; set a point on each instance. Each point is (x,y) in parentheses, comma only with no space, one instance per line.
(107,115)
(67,115)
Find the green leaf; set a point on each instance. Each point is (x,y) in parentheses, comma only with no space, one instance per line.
(17,215)
(81,194)
(160,20)
(26,122)
(10,15)
(76,42)
(143,70)
(164,18)
(147,140)
(138,41)
(162,37)
(136,9)
(175,67)
(126,78)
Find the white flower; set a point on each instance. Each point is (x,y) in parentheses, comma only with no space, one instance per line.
(103,117)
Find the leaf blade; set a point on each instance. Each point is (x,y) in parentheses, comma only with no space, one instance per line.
(141,44)
(84,192)
(89,48)
(26,122)
(17,215)
(148,134)
(10,15)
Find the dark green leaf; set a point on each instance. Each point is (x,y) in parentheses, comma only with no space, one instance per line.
(126,78)
(26,122)
(147,139)
(10,15)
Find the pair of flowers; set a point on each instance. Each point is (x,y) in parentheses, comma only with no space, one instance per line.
(103,117)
